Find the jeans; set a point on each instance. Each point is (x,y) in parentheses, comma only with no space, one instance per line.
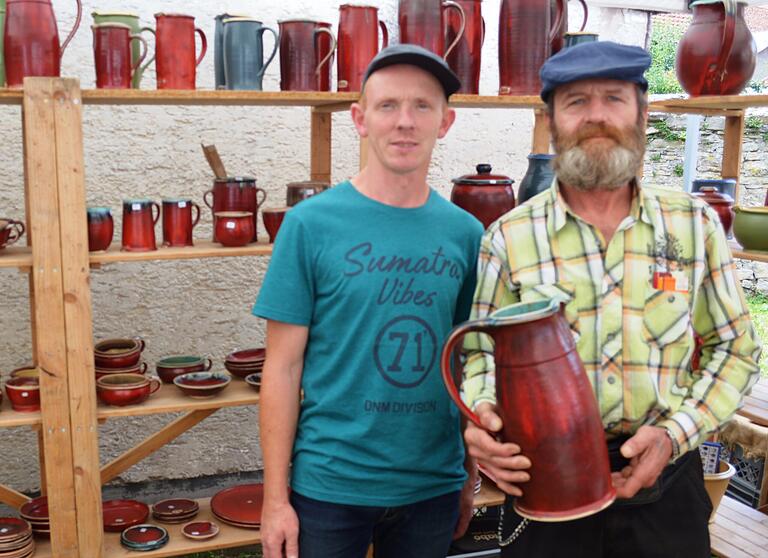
(420,530)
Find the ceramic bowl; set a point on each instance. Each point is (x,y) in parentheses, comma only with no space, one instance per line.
(121,514)
(234,228)
(170,367)
(200,530)
(28,371)
(750,226)
(24,394)
(144,537)
(125,389)
(254,380)
(174,507)
(138,368)
(118,353)
(247,356)
(242,371)
(202,384)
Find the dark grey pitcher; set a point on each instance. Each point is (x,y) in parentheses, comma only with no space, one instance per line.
(244,64)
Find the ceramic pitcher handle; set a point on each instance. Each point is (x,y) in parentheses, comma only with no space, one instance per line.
(143,368)
(196,218)
(141,342)
(208,364)
(18,228)
(586,14)
(154,384)
(456,335)
(204,47)
(205,199)
(555,25)
(729,34)
(384,34)
(74,28)
(274,49)
(156,217)
(264,197)
(145,51)
(145,66)
(482,33)
(448,5)
(327,58)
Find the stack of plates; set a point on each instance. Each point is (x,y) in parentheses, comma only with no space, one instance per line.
(175,510)
(245,362)
(16,538)
(36,513)
(121,514)
(144,537)
(239,505)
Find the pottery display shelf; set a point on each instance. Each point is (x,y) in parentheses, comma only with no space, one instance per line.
(16,256)
(755,255)
(201,249)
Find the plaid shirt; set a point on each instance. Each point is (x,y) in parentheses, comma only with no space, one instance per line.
(636,340)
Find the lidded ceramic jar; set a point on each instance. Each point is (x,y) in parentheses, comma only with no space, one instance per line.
(722,203)
(486,196)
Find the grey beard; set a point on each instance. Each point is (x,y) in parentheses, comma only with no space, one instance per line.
(609,171)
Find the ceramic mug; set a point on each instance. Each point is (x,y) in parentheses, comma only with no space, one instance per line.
(119,390)
(178,221)
(273,218)
(298,191)
(139,225)
(10,232)
(233,228)
(112,55)
(101,228)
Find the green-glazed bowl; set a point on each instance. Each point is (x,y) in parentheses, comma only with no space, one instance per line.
(750,227)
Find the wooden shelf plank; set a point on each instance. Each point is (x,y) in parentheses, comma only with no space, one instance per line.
(169,399)
(738,252)
(201,249)
(496,101)
(724,102)
(16,256)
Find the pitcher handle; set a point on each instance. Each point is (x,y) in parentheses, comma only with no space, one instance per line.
(555,25)
(208,364)
(143,41)
(155,205)
(384,35)
(586,15)
(74,28)
(204,47)
(205,199)
(450,4)
(729,34)
(18,228)
(274,49)
(457,333)
(140,341)
(264,197)
(145,66)
(196,218)
(327,58)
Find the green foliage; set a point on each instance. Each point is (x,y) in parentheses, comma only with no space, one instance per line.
(679,169)
(758,310)
(661,75)
(753,122)
(667,133)
(656,157)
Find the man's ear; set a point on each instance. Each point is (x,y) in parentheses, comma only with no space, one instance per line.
(449,117)
(358,119)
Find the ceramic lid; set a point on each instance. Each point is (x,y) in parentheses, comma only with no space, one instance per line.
(484,177)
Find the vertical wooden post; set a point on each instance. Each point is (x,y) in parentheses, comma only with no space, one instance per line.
(732,137)
(321,146)
(41,460)
(541,137)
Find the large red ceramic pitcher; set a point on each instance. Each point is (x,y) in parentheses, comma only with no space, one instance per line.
(31,40)
(175,60)
(526,32)
(422,22)
(559,38)
(717,54)
(358,44)
(306,55)
(464,60)
(547,406)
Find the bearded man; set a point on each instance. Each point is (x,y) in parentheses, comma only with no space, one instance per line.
(643,273)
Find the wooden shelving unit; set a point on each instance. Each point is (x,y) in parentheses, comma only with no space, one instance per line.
(59,267)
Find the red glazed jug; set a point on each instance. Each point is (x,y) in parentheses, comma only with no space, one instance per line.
(558,42)
(484,195)
(112,55)
(548,408)
(422,22)
(358,44)
(175,61)
(464,60)
(235,194)
(139,225)
(526,33)
(717,53)
(31,40)
(306,55)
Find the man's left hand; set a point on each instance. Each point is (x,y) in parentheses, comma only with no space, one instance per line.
(649,451)
(466,502)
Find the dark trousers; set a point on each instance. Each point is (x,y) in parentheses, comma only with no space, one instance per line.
(668,521)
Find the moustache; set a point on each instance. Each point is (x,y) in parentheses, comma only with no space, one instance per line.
(596,130)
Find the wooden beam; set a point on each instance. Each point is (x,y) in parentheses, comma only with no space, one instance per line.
(12,498)
(153,443)
(541,137)
(732,148)
(41,459)
(321,146)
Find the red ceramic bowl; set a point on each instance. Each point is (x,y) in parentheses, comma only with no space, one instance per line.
(138,368)
(202,384)
(36,510)
(170,367)
(234,228)
(13,529)
(24,394)
(247,356)
(118,353)
(200,530)
(125,389)
(121,514)
(243,371)
(28,371)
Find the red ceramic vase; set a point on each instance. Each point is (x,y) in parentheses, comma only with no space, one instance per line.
(178,221)
(31,40)
(10,232)
(139,225)
(422,22)
(112,55)
(558,42)
(464,60)
(717,54)
(235,194)
(101,228)
(721,203)
(175,60)
(358,44)
(484,195)
(306,55)
(548,408)
(234,228)
(525,38)
(273,218)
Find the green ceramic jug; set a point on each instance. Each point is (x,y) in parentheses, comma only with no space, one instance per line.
(2,56)
(132,21)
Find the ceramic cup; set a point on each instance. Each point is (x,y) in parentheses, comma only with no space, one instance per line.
(273,218)
(170,367)
(101,228)
(178,221)
(118,353)
(298,191)
(138,368)
(10,232)
(119,390)
(234,228)
(24,394)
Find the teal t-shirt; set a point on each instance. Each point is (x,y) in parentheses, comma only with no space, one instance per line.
(379,288)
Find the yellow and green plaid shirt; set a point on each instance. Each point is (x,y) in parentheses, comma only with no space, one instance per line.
(636,341)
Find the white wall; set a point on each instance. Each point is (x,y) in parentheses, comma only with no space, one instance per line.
(204,306)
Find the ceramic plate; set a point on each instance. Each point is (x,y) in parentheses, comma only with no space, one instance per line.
(173,507)
(144,535)
(236,524)
(200,530)
(35,509)
(239,504)
(120,514)
(13,529)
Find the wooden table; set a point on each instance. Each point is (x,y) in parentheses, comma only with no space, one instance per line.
(739,531)
(756,403)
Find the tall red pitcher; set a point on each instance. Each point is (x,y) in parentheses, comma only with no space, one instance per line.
(422,22)
(175,60)
(358,44)
(525,37)
(31,40)
(558,41)
(464,60)
(717,54)
(547,406)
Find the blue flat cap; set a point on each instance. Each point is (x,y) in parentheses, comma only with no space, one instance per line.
(598,59)
(416,55)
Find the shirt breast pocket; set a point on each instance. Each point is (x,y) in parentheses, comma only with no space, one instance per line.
(666,318)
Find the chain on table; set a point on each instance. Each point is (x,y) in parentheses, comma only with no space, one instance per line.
(516,533)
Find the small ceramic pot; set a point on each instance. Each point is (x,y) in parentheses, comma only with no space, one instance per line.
(298,191)
(138,368)
(170,367)
(234,228)
(749,227)
(101,228)
(202,384)
(10,232)
(273,218)
(24,394)
(119,390)
(118,353)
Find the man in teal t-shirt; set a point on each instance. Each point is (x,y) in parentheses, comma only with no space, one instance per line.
(366,281)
